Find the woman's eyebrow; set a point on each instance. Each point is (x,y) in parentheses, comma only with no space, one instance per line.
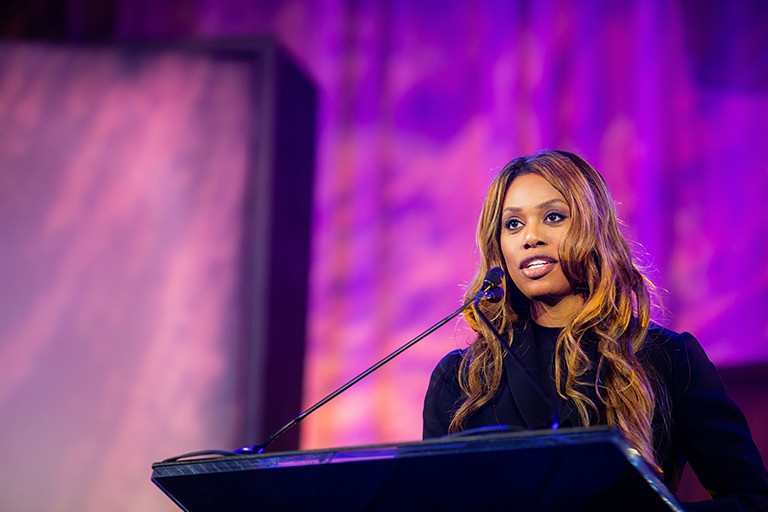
(542,206)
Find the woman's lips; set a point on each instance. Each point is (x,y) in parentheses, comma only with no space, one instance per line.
(537,266)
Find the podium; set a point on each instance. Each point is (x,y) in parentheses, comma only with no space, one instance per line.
(584,469)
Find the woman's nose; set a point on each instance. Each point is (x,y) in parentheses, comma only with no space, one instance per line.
(532,238)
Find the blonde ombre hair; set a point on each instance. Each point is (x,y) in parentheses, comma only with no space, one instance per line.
(597,261)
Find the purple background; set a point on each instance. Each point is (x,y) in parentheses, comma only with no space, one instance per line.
(420,104)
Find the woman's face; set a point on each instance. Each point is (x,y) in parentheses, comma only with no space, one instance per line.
(534,218)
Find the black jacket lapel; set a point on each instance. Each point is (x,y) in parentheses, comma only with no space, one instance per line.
(533,404)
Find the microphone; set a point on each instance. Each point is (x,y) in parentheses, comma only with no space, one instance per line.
(490,290)
(493,277)
(494,294)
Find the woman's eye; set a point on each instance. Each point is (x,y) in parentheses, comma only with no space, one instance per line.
(512,224)
(554,217)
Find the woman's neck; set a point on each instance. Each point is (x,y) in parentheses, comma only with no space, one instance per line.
(556,314)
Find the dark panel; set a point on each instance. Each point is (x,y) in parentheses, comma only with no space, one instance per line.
(276,237)
(277,247)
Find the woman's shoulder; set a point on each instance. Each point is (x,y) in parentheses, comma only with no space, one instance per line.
(662,338)
(678,357)
(664,348)
(661,333)
(450,362)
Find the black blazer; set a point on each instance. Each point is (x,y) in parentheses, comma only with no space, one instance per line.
(707,429)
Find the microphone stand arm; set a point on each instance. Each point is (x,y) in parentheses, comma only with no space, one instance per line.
(260,448)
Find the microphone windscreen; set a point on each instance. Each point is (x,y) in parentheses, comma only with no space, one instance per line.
(494,276)
(495,294)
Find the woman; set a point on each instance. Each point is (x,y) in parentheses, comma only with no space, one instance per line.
(576,313)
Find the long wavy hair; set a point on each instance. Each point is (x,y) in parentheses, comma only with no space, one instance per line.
(597,261)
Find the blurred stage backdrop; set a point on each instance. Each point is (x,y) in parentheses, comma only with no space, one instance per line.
(143,311)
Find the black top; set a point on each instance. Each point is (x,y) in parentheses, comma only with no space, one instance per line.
(707,429)
(540,360)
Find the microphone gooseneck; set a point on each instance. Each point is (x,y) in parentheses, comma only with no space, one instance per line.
(490,291)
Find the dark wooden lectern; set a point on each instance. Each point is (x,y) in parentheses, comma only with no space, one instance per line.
(591,469)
